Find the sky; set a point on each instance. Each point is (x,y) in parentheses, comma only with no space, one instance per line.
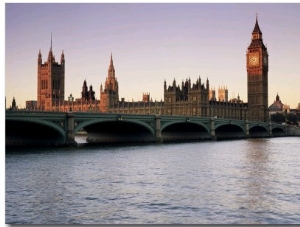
(150,43)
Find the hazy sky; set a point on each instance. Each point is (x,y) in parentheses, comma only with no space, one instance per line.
(151,43)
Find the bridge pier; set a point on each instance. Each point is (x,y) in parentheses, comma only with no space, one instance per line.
(212,129)
(157,128)
(270,129)
(70,135)
(247,128)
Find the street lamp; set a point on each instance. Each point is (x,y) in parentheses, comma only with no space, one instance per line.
(59,100)
(70,99)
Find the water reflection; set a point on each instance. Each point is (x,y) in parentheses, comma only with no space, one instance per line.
(257,183)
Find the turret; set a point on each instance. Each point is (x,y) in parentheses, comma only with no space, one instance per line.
(14,105)
(62,58)
(174,85)
(277,98)
(84,91)
(91,94)
(39,58)
(207,84)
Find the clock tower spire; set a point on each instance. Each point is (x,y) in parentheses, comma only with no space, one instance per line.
(257,77)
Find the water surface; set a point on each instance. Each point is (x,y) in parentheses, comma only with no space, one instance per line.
(254,181)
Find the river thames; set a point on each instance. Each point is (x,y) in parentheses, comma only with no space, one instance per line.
(251,181)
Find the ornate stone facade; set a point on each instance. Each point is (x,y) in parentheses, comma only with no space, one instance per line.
(190,99)
(51,81)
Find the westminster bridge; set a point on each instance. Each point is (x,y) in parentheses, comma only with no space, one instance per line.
(59,128)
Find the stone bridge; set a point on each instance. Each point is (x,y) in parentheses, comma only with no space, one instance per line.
(59,128)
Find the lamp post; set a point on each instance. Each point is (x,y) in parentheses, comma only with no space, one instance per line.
(59,100)
(70,99)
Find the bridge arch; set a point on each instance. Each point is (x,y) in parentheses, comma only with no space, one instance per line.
(33,132)
(184,130)
(112,130)
(229,131)
(95,121)
(278,131)
(258,131)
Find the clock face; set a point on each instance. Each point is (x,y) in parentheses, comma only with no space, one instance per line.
(253,60)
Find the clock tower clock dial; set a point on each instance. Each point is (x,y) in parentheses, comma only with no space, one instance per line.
(253,60)
(257,77)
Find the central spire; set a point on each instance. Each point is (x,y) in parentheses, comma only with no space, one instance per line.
(111,68)
(50,55)
(256,29)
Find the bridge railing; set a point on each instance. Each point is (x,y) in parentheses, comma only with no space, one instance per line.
(30,112)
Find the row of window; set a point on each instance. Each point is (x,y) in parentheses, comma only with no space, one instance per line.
(44,84)
(194,98)
(55,84)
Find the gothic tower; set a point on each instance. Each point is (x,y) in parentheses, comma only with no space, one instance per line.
(51,82)
(109,96)
(223,94)
(257,77)
(84,92)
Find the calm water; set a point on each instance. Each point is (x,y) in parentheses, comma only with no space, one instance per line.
(229,182)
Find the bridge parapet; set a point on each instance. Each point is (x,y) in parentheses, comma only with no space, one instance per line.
(27,113)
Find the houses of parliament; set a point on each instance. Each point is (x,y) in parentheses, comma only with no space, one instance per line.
(185,98)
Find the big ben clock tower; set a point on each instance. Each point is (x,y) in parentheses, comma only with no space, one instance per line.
(257,77)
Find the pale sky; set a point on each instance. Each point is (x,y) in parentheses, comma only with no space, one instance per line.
(151,43)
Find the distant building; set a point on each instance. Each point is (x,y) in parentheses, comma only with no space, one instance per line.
(87,95)
(146,97)
(31,105)
(281,113)
(13,104)
(278,107)
(212,95)
(223,94)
